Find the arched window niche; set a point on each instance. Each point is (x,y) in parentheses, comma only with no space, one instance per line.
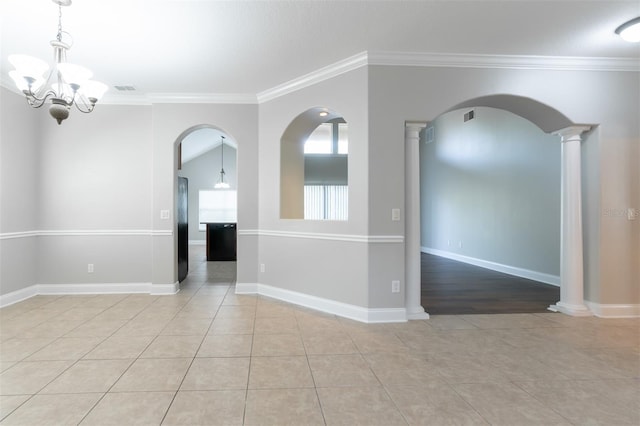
(314,176)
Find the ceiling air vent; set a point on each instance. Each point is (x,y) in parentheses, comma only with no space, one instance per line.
(125,88)
(469,115)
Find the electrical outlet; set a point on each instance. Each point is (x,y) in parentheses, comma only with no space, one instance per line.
(90,268)
(395,286)
(165,214)
(395,215)
(262,267)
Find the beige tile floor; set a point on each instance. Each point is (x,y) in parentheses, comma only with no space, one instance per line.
(207,356)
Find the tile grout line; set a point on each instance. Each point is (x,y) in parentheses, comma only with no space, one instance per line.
(31,396)
(164,416)
(315,386)
(246,392)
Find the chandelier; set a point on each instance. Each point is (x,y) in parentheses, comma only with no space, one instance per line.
(221,184)
(64,84)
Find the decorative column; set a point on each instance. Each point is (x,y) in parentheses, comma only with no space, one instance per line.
(412,220)
(571,257)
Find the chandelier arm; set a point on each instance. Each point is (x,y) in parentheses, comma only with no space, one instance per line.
(82,103)
(35,101)
(85,108)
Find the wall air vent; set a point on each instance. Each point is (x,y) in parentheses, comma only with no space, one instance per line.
(125,88)
(429,134)
(469,115)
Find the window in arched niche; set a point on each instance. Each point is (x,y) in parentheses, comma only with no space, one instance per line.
(314,167)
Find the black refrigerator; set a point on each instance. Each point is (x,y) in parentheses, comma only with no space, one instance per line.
(183,228)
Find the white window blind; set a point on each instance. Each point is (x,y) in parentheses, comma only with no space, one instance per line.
(326,202)
(217,206)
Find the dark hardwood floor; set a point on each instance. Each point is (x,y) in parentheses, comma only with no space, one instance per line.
(453,288)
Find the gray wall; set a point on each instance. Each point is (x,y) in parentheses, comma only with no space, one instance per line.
(95,197)
(203,172)
(19,191)
(608,99)
(115,169)
(91,191)
(335,268)
(490,190)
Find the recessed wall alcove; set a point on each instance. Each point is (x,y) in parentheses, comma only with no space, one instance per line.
(314,167)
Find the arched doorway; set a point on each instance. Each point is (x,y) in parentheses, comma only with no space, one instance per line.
(205,156)
(571,258)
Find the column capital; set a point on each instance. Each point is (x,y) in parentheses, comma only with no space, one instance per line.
(412,129)
(572,131)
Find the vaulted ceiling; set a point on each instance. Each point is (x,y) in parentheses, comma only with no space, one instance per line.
(167,48)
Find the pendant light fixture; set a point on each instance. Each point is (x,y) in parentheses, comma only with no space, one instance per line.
(64,85)
(630,31)
(221,184)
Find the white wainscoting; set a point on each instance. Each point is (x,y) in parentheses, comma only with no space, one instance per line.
(86,233)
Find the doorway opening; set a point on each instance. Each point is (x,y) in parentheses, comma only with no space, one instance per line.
(207,172)
(490,214)
(553,123)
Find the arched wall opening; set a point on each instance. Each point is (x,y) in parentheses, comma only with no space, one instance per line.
(490,205)
(324,165)
(569,135)
(201,145)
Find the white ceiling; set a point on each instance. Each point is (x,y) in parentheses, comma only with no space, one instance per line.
(203,140)
(182,47)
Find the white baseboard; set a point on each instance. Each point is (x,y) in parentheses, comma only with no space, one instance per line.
(18,295)
(358,313)
(417,313)
(613,310)
(197,242)
(115,288)
(63,289)
(573,310)
(164,289)
(499,267)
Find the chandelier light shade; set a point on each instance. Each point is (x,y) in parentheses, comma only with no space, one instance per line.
(63,84)
(630,30)
(221,184)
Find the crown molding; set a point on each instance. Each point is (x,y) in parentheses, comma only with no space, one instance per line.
(528,62)
(202,98)
(451,60)
(114,98)
(402,59)
(315,77)
(179,98)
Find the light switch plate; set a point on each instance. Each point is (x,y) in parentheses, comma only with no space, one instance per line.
(164,214)
(395,214)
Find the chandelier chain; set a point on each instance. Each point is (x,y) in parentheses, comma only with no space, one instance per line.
(59,37)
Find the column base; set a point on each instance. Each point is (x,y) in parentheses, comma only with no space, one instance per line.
(417,313)
(573,310)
